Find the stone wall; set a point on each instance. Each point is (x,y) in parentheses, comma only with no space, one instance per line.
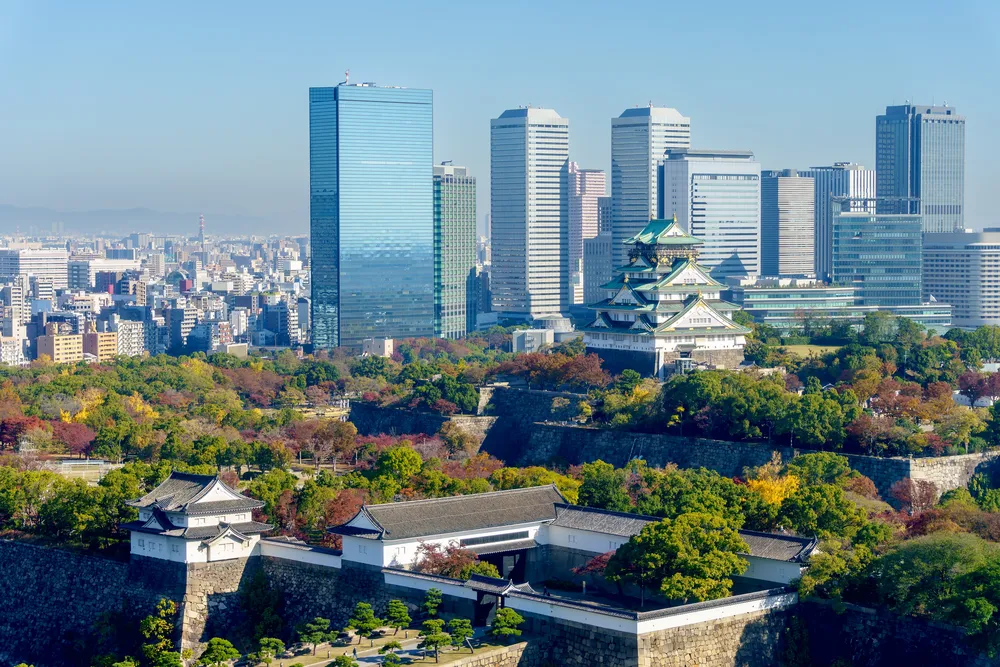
(371,419)
(60,608)
(211,605)
(748,640)
(523,654)
(580,444)
(868,638)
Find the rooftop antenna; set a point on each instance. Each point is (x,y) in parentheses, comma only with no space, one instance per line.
(347,77)
(201,232)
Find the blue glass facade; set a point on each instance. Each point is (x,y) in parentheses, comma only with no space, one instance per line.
(881,255)
(371,213)
(920,154)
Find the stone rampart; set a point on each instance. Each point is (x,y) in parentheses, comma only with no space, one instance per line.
(860,636)
(61,608)
(371,419)
(580,444)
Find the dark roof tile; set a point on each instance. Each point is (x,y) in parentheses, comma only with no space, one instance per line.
(441,516)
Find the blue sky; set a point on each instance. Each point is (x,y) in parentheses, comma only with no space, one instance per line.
(194,106)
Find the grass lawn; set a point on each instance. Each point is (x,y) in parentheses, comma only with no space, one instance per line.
(809,350)
(453,655)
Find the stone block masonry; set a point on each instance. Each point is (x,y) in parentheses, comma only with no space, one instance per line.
(579,444)
(58,608)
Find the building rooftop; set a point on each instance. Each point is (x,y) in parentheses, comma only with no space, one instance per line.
(663,232)
(656,113)
(532,114)
(456,514)
(181,491)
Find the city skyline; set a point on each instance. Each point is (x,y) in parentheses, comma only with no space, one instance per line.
(213,152)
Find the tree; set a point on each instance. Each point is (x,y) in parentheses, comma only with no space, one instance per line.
(451,561)
(505,624)
(457,440)
(219,652)
(336,440)
(397,615)
(168,659)
(269,649)
(388,651)
(819,468)
(460,629)
(604,487)
(823,511)
(364,621)
(432,601)
(315,632)
(434,636)
(158,630)
(400,463)
(693,557)
(344,660)
(916,495)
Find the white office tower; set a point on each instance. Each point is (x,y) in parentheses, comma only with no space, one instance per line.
(43,264)
(529,169)
(842,179)
(787,207)
(963,269)
(715,196)
(639,139)
(586,188)
(16,297)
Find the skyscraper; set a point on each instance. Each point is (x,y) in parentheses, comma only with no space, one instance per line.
(842,179)
(371,213)
(529,169)
(787,228)
(715,196)
(920,153)
(604,214)
(963,269)
(454,251)
(586,188)
(639,139)
(879,253)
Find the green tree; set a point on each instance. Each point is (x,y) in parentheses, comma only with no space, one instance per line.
(168,659)
(388,653)
(693,557)
(344,660)
(432,601)
(505,624)
(373,367)
(397,615)
(604,487)
(158,629)
(364,621)
(628,380)
(400,462)
(434,636)
(823,511)
(219,652)
(460,629)
(315,632)
(819,468)
(269,648)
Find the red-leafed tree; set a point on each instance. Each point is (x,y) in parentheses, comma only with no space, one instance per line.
(595,565)
(76,437)
(12,428)
(915,495)
(451,561)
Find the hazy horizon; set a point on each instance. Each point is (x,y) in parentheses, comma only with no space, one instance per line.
(203,108)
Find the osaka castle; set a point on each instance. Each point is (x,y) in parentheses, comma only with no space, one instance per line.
(664,312)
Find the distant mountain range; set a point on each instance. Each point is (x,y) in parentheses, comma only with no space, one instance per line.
(126,221)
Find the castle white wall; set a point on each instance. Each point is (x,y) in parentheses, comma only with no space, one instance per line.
(298,552)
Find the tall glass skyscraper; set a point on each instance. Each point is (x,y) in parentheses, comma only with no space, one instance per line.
(455,292)
(880,253)
(841,179)
(371,213)
(715,196)
(529,213)
(639,139)
(920,153)
(586,188)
